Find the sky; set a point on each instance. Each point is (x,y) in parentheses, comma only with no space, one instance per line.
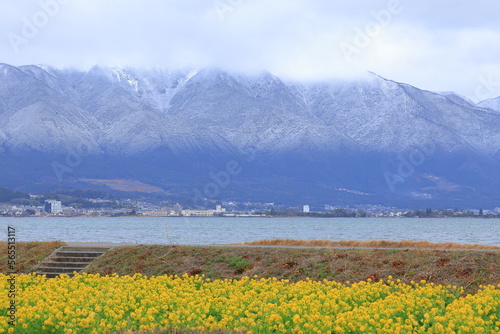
(437,45)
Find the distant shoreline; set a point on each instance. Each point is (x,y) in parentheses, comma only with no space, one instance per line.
(272,217)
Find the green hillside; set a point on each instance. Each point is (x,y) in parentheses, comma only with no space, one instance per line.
(7,195)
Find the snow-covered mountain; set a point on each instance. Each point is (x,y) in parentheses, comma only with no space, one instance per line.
(493,104)
(349,134)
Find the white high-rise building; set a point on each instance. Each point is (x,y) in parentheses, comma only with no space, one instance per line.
(177,208)
(305,208)
(52,206)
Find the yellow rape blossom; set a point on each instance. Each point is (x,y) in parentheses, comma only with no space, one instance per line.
(89,303)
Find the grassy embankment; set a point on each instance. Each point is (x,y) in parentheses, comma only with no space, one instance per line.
(405,244)
(27,255)
(465,268)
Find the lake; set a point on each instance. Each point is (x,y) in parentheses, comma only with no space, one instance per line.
(206,231)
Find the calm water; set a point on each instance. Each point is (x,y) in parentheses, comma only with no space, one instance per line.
(195,231)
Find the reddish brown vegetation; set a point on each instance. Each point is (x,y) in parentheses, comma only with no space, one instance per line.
(405,244)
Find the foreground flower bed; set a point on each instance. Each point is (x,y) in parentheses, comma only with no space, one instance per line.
(96,304)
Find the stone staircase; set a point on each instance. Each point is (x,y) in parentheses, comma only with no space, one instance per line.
(68,259)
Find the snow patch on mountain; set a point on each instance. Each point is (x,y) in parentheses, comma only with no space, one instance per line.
(493,104)
(136,110)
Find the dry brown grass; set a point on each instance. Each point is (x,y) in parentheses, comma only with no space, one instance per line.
(28,254)
(404,244)
(466,268)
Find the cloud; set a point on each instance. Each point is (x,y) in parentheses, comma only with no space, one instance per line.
(435,45)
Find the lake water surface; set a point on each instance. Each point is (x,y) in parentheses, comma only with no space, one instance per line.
(205,231)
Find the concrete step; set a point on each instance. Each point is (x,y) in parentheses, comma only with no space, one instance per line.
(78,265)
(90,249)
(79,253)
(72,259)
(67,260)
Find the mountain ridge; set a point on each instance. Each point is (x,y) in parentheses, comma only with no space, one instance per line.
(325,135)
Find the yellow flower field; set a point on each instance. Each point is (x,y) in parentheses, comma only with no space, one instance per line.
(96,304)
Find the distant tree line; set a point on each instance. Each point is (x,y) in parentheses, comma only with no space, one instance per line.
(430,213)
(339,212)
(74,198)
(416,213)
